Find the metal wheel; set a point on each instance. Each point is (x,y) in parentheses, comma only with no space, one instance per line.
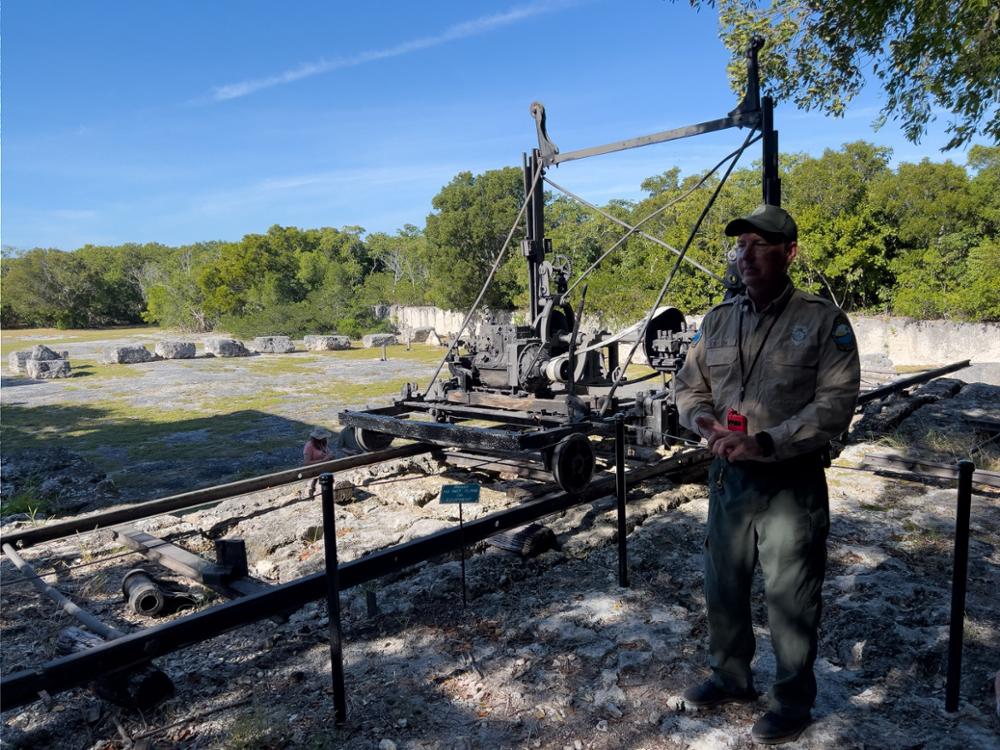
(371,441)
(573,462)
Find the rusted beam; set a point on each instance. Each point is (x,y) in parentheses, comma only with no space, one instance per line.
(174,558)
(897,385)
(61,674)
(48,532)
(908,465)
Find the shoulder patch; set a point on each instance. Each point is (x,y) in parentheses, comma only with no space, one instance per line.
(843,336)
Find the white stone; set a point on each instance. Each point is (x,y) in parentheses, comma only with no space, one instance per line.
(332,342)
(218,347)
(46,369)
(18,362)
(127,355)
(41,352)
(372,340)
(273,345)
(175,349)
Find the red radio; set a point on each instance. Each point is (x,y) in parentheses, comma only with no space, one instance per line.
(736,422)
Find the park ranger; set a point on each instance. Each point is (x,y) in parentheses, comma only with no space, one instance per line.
(772,376)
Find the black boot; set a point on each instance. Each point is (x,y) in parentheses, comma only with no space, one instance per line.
(776,729)
(709,694)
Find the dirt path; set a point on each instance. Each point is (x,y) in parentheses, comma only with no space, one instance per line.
(551,652)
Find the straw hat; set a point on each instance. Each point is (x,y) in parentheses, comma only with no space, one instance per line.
(320,433)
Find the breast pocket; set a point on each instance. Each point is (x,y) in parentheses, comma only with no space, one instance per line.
(793,377)
(722,367)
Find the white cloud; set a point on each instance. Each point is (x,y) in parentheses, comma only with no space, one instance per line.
(458,31)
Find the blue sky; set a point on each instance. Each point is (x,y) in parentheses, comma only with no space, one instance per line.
(184,121)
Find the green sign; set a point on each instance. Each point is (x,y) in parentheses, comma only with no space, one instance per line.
(460,493)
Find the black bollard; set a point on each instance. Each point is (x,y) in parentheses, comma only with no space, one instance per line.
(333,598)
(958,583)
(620,487)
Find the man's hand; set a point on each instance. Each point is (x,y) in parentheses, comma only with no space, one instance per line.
(724,443)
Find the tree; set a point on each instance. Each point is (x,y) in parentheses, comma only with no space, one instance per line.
(928,55)
(473,216)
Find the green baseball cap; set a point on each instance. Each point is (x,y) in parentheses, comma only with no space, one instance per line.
(772,223)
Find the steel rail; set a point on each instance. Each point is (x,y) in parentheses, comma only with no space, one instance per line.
(61,674)
(740,120)
(95,521)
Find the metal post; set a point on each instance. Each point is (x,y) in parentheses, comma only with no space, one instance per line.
(461,527)
(769,145)
(958,582)
(333,598)
(620,487)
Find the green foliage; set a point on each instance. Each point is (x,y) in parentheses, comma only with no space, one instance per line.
(919,240)
(473,216)
(928,55)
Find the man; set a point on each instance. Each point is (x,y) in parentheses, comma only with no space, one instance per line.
(772,376)
(316,450)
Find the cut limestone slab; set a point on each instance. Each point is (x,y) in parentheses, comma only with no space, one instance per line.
(273,345)
(331,342)
(225,348)
(46,369)
(175,349)
(417,335)
(434,339)
(42,353)
(18,362)
(373,340)
(127,355)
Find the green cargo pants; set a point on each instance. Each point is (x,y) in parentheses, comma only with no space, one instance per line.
(779,513)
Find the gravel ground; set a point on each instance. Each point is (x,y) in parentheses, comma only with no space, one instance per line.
(550,652)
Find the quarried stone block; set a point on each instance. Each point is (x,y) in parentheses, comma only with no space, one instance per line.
(332,342)
(18,362)
(42,353)
(45,369)
(373,340)
(175,349)
(226,348)
(273,345)
(127,355)
(418,335)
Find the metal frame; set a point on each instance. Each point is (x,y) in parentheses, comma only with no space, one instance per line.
(23,687)
(525,421)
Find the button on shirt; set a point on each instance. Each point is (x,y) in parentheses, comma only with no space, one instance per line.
(802,389)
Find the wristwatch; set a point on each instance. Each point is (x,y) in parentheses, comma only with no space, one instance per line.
(766,443)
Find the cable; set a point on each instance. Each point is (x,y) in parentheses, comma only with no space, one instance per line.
(489,278)
(673,272)
(635,229)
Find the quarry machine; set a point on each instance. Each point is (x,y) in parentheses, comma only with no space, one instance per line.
(538,398)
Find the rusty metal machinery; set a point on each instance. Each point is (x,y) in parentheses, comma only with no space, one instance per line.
(545,387)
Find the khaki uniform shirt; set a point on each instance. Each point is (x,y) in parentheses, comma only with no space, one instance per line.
(802,389)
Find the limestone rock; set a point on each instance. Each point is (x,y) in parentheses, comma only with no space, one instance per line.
(225,348)
(332,342)
(175,349)
(18,362)
(127,355)
(43,353)
(45,369)
(418,335)
(373,340)
(273,345)
(433,339)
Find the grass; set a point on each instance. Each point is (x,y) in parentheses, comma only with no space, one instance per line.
(25,338)
(26,499)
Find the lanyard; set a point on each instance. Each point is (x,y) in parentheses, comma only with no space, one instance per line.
(744,379)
